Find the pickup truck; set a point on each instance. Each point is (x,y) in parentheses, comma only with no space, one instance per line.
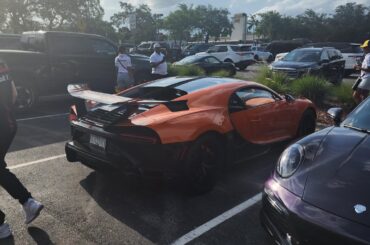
(48,61)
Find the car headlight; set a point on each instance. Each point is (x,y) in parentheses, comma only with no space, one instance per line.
(290,160)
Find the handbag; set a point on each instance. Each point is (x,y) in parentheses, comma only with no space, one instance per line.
(357,82)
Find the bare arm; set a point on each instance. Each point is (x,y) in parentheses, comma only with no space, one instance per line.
(14,93)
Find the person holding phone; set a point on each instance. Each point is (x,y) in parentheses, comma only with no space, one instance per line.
(362,85)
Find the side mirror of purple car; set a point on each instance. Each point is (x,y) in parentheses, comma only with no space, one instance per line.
(336,114)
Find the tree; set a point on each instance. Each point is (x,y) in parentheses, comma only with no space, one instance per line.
(145,23)
(270,25)
(350,22)
(181,22)
(213,21)
(56,13)
(252,24)
(19,15)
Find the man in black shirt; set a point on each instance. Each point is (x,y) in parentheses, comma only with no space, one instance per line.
(8,128)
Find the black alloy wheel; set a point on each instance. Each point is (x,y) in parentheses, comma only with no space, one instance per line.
(203,162)
(27,97)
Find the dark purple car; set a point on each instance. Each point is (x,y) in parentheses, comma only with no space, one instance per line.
(320,190)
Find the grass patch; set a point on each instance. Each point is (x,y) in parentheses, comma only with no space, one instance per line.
(343,94)
(185,71)
(221,73)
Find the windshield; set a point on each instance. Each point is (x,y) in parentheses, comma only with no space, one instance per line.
(360,117)
(301,55)
(188,60)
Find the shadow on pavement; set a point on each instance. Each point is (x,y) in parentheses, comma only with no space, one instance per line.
(39,236)
(160,212)
(7,241)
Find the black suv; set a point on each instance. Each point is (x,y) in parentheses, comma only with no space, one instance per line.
(325,62)
(49,61)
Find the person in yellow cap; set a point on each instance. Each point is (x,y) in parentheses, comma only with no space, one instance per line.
(363,87)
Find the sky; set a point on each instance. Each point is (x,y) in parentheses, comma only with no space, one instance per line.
(288,7)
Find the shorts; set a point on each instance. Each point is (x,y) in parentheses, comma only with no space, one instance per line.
(124,80)
(365,83)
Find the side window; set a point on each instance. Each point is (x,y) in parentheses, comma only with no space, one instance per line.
(222,49)
(101,47)
(253,97)
(212,60)
(324,55)
(68,45)
(213,49)
(332,54)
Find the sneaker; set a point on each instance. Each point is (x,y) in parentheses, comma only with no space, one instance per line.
(5,231)
(32,208)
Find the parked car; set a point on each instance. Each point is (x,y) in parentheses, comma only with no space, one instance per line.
(189,127)
(259,53)
(10,41)
(230,53)
(147,48)
(49,61)
(317,194)
(325,62)
(209,64)
(351,53)
(196,48)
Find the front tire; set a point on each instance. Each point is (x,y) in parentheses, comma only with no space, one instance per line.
(27,96)
(307,125)
(202,164)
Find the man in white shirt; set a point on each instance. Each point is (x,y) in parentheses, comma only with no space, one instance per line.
(158,63)
(362,91)
(124,67)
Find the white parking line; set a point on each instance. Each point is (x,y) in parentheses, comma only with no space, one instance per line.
(41,117)
(197,232)
(36,162)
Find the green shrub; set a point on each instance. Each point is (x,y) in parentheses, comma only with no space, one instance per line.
(275,80)
(185,71)
(222,73)
(343,94)
(314,88)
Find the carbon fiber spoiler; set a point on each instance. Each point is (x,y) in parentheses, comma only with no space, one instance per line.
(81,91)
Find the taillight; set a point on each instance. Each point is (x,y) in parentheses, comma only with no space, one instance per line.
(73,113)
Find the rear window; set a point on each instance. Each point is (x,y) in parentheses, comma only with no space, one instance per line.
(235,48)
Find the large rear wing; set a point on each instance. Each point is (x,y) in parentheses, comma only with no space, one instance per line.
(81,91)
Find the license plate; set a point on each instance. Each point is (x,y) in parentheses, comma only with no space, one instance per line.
(98,141)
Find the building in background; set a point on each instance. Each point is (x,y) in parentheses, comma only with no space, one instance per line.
(240,27)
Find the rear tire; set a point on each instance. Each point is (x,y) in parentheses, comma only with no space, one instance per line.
(339,78)
(202,164)
(307,125)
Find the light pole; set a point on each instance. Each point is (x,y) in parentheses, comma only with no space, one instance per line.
(156,17)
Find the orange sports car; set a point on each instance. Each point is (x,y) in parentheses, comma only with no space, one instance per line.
(183,126)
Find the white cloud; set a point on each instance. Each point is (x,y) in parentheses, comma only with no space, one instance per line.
(289,7)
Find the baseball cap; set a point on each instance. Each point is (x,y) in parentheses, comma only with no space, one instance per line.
(157,45)
(365,44)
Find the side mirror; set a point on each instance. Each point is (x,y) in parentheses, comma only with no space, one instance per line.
(336,114)
(289,98)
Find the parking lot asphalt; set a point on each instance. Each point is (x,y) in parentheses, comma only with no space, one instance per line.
(86,207)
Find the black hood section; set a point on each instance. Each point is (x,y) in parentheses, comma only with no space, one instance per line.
(340,176)
(294,65)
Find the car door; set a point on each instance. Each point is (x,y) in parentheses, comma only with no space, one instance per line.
(101,55)
(212,64)
(68,60)
(221,52)
(259,115)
